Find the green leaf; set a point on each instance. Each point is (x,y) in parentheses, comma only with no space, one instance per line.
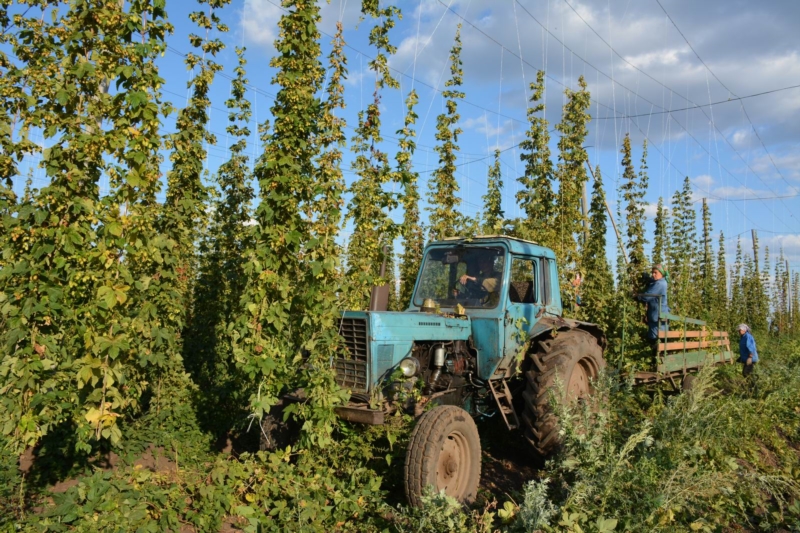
(62,97)
(106,297)
(114,228)
(604,525)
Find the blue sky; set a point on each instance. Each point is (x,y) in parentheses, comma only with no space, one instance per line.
(644,77)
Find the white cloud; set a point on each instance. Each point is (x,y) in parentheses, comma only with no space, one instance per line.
(658,58)
(491,128)
(703,181)
(788,164)
(789,243)
(260,19)
(260,22)
(743,138)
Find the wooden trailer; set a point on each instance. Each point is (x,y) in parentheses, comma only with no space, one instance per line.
(684,346)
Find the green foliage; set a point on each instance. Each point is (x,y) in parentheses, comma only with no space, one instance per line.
(444,219)
(633,189)
(184,208)
(683,261)
(706,269)
(571,175)
(107,300)
(182,485)
(749,302)
(737,303)
(536,511)
(493,215)
(440,512)
(697,461)
(373,228)
(780,295)
(79,323)
(412,232)
(289,305)
(597,286)
(536,197)
(221,277)
(11,487)
(720,306)
(795,301)
(661,234)
(304,494)
(183,214)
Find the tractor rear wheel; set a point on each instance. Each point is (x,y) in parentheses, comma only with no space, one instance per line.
(444,451)
(576,357)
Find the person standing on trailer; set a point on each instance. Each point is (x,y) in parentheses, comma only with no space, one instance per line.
(655,292)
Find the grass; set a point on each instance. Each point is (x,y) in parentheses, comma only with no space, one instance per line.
(718,456)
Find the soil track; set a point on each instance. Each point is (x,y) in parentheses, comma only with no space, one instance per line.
(508,461)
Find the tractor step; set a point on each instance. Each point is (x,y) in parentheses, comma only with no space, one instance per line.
(502,396)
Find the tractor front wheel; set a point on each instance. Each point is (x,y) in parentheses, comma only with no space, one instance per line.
(444,452)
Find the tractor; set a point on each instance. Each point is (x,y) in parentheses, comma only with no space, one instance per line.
(483,334)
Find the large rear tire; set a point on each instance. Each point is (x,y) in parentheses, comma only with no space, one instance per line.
(576,357)
(444,452)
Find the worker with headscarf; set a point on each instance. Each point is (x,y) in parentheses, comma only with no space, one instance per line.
(655,296)
(748,355)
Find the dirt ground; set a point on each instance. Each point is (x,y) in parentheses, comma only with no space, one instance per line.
(508,461)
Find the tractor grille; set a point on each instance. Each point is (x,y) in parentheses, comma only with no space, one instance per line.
(351,370)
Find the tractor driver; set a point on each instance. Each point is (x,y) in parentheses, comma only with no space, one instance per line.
(486,280)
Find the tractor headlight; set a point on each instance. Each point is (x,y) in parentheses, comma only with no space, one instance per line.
(409,366)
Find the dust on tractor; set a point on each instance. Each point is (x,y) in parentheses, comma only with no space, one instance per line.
(484,334)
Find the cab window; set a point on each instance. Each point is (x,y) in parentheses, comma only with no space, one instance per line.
(522,288)
(467,275)
(544,282)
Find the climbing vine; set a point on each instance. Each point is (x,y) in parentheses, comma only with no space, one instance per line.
(536,197)
(412,232)
(493,216)
(444,218)
(571,175)
(373,228)
(75,320)
(291,274)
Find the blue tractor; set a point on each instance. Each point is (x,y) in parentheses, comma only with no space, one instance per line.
(483,335)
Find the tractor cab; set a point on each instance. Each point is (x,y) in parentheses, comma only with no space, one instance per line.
(503,284)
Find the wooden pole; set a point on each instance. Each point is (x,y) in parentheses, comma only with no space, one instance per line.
(789,290)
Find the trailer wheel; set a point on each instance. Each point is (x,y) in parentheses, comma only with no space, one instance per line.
(576,357)
(444,452)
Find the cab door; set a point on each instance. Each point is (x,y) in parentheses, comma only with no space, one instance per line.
(522,309)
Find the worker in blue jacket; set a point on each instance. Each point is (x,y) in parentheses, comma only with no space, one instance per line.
(656,290)
(748,355)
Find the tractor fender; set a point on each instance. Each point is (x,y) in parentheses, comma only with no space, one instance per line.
(556,323)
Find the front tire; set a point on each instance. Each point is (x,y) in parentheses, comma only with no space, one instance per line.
(445,452)
(576,357)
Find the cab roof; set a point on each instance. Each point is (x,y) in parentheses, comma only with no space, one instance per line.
(515,244)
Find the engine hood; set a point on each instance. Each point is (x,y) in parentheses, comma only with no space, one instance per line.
(390,336)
